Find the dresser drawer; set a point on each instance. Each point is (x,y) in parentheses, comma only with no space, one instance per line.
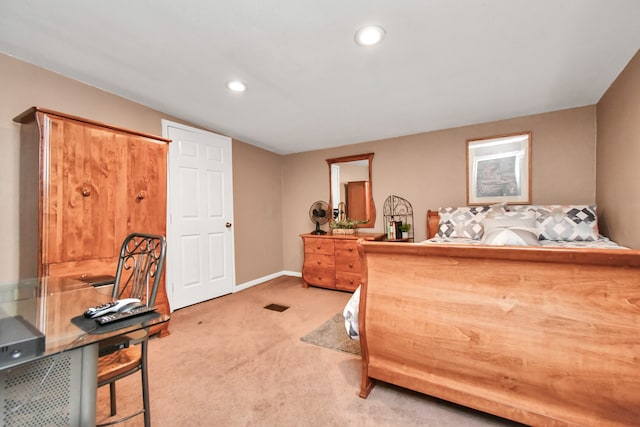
(320,261)
(81,270)
(346,248)
(318,246)
(349,264)
(323,278)
(347,281)
(319,270)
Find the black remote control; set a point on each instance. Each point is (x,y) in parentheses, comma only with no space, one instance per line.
(114,317)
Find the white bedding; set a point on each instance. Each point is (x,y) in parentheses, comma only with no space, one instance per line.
(350,314)
(601,243)
(350,311)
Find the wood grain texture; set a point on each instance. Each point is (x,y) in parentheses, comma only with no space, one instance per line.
(84,169)
(97,184)
(347,265)
(540,336)
(332,261)
(358,200)
(119,362)
(433,222)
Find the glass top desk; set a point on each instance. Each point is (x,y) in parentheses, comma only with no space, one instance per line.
(62,377)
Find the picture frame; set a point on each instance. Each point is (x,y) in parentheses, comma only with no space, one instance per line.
(499,169)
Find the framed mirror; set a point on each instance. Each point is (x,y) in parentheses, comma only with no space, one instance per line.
(350,189)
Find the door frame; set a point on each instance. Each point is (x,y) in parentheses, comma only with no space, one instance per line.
(170,257)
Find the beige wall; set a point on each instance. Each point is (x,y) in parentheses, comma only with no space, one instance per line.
(429,170)
(23,85)
(257,192)
(618,154)
(272,193)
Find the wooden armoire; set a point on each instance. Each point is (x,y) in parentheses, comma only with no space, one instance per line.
(358,206)
(84,187)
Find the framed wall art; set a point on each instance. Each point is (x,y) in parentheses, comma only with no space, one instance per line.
(499,169)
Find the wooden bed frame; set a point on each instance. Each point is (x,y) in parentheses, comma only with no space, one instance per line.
(542,336)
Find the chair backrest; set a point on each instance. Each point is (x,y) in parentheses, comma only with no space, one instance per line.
(140,267)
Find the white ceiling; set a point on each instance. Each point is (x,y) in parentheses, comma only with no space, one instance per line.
(444,63)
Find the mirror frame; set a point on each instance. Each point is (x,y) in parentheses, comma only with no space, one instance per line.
(369,157)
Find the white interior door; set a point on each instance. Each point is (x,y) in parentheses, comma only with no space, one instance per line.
(200,253)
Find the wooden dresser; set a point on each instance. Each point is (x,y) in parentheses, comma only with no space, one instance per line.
(332,261)
(84,187)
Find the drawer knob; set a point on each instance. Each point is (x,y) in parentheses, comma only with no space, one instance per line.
(141,195)
(350,265)
(86,192)
(318,262)
(350,249)
(351,282)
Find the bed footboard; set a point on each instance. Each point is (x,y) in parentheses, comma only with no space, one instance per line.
(539,336)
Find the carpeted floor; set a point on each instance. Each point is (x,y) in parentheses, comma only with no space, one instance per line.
(332,334)
(230,362)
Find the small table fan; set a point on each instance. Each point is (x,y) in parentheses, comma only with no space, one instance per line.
(319,214)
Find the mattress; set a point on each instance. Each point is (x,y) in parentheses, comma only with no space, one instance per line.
(601,243)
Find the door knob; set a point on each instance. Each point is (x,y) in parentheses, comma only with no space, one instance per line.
(228,225)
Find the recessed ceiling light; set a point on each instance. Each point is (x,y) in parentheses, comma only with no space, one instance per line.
(236,86)
(369,36)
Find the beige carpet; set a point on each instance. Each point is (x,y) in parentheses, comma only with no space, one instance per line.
(333,334)
(230,362)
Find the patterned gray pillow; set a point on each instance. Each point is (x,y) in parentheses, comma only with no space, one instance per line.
(565,222)
(463,221)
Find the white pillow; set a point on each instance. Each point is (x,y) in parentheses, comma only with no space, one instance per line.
(514,236)
(509,219)
(511,229)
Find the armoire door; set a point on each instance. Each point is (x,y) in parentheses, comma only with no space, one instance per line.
(146,186)
(146,197)
(79,198)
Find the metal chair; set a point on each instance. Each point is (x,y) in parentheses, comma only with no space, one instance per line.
(138,275)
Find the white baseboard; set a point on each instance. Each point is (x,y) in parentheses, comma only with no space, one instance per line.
(263,279)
